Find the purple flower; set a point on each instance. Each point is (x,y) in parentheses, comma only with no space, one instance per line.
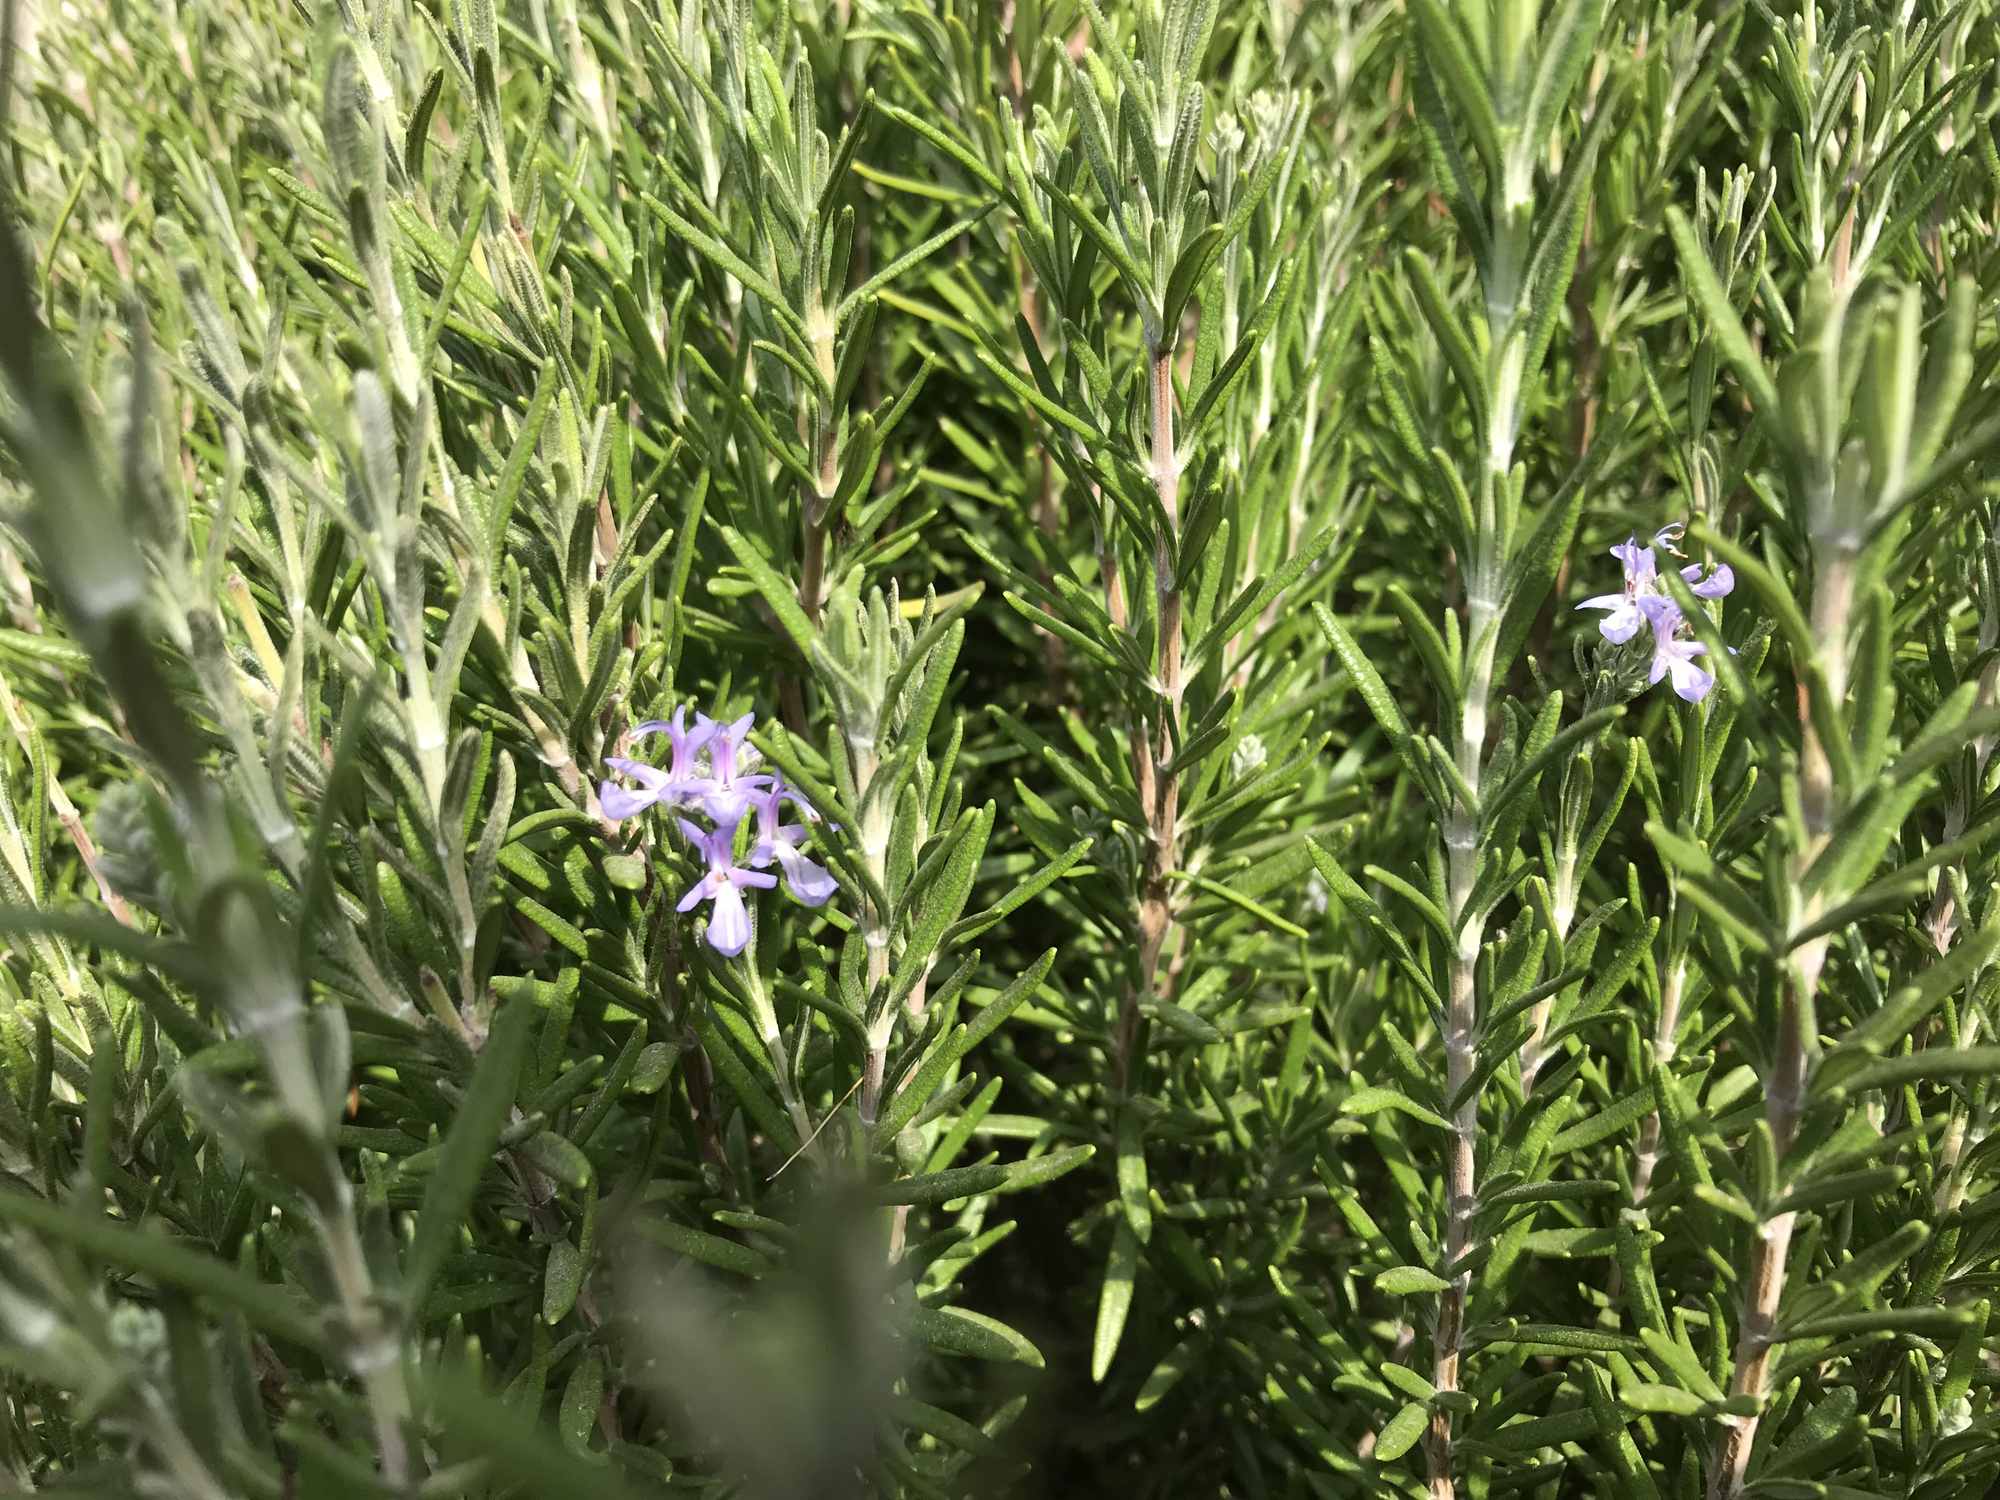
(729,921)
(1716,586)
(1673,654)
(779,842)
(726,797)
(1643,603)
(1638,561)
(1625,617)
(1675,659)
(676,786)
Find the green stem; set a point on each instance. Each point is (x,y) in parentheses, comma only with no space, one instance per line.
(876,818)
(1462,832)
(1159,787)
(1461,1041)
(176,1453)
(1834,565)
(376,1356)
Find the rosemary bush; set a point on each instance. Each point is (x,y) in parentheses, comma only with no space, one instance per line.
(955,747)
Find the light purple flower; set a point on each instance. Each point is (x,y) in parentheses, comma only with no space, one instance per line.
(729,920)
(1660,612)
(1716,586)
(1674,654)
(727,796)
(779,842)
(1675,658)
(1638,561)
(675,786)
(1624,619)
(1624,615)
(1643,603)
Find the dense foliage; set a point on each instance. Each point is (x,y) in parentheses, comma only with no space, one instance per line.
(945,747)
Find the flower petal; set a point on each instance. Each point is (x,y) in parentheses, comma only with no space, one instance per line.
(808,881)
(652,778)
(727,800)
(1716,586)
(619,803)
(686,791)
(728,923)
(725,804)
(1622,623)
(696,894)
(1638,560)
(1661,613)
(1690,681)
(1620,626)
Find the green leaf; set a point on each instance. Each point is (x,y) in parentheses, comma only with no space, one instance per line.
(971,1335)
(1914,1320)
(1523,777)
(562,1278)
(728,261)
(940,138)
(1705,290)
(1373,1100)
(1713,890)
(1662,1400)
(1226,375)
(1139,286)
(1449,331)
(1250,603)
(777,593)
(560,1158)
(529,1458)
(1185,278)
(1014,900)
(1445,52)
(1532,569)
(968,1182)
(1548,1192)
(467,1149)
(1367,681)
(86,927)
(654,1067)
(1114,1299)
(581,1395)
(176,1263)
(1911,1005)
(1620,1115)
(1400,1433)
(709,1249)
(907,261)
(1409,1281)
(1134,1192)
(1168,1373)
(1915,1067)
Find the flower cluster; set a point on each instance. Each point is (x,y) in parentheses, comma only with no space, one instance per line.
(710,770)
(1645,603)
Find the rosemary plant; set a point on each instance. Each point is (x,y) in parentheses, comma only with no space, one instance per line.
(959,747)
